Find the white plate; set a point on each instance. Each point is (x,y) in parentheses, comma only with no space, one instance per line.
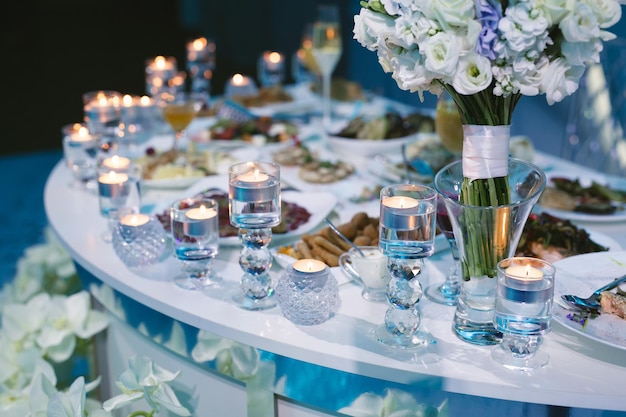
(370,147)
(236,155)
(585,181)
(303,100)
(582,275)
(319,204)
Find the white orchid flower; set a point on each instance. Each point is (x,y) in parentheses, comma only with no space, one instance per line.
(395,403)
(73,403)
(68,318)
(31,398)
(22,322)
(145,379)
(233,358)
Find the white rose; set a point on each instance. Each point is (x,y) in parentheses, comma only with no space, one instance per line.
(522,25)
(560,80)
(450,13)
(473,74)
(555,9)
(441,55)
(410,73)
(580,25)
(370,27)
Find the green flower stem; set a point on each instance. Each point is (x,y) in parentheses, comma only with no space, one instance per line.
(481,252)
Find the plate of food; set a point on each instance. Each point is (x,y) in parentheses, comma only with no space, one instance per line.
(591,197)
(368,136)
(259,131)
(552,239)
(301,212)
(175,170)
(582,275)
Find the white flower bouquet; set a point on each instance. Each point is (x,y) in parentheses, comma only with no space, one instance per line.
(487,54)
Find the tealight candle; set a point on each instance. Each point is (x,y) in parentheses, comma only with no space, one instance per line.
(199,221)
(254,194)
(524,273)
(80,135)
(399,212)
(134,220)
(111,184)
(272,60)
(239,80)
(116,163)
(309,266)
(240,85)
(254,186)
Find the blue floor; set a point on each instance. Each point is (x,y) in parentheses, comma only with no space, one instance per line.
(22,214)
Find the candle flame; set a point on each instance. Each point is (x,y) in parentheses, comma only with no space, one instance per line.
(275,57)
(199,44)
(237,79)
(159,61)
(127,100)
(145,101)
(82,131)
(330,33)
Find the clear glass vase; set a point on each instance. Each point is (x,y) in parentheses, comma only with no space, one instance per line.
(484,236)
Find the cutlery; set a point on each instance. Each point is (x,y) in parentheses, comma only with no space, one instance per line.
(591,302)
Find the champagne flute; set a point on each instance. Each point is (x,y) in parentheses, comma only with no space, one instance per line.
(448,124)
(326,48)
(179,108)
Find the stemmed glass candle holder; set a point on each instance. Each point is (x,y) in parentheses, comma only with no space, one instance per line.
(447,292)
(407,236)
(254,208)
(102,111)
(80,149)
(523,311)
(271,68)
(160,73)
(195,231)
(200,65)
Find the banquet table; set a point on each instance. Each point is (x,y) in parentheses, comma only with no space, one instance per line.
(319,370)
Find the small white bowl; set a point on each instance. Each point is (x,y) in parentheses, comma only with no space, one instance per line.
(370,147)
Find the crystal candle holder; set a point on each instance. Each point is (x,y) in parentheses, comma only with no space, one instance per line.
(195,232)
(307,292)
(271,68)
(254,208)
(138,240)
(523,311)
(407,236)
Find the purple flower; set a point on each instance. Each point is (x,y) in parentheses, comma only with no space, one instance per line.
(489,13)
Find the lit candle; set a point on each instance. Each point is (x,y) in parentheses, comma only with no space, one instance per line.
(111,184)
(81,135)
(253,177)
(116,163)
(200,213)
(272,60)
(200,221)
(134,220)
(524,273)
(239,80)
(197,49)
(309,265)
(399,212)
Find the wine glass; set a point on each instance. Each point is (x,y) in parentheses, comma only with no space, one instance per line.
(446,293)
(179,108)
(448,124)
(326,49)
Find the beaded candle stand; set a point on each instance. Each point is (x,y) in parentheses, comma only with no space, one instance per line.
(254,208)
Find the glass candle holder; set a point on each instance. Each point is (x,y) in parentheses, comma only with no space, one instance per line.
(160,73)
(307,292)
(407,237)
(201,53)
(139,240)
(271,68)
(102,111)
(118,189)
(195,233)
(255,207)
(523,311)
(240,85)
(80,150)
